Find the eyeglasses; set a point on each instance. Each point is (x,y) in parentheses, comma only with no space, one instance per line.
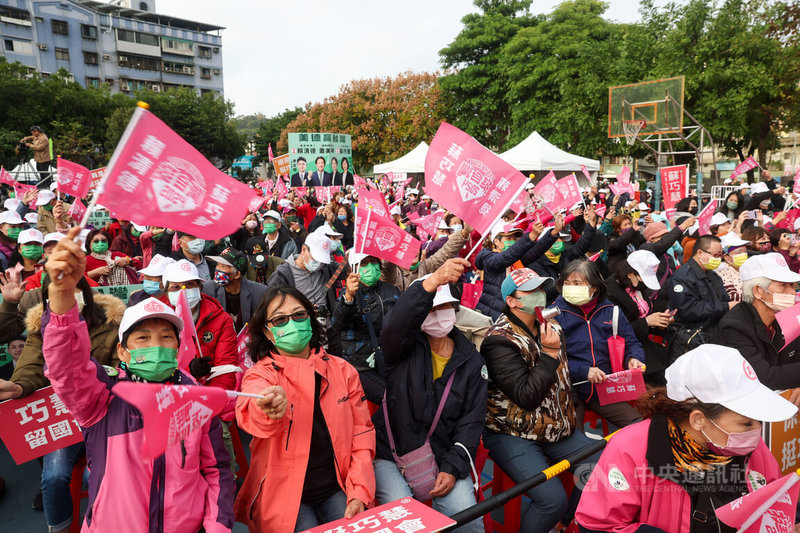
(716,255)
(282,320)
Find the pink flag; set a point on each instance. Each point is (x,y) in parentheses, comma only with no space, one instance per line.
(468,179)
(256,203)
(374,200)
(242,339)
(72,178)
(384,240)
(601,210)
(789,321)
(6,178)
(20,189)
(301,191)
(568,185)
(157,178)
(429,223)
(77,210)
(522,203)
(621,387)
(171,412)
(674,184)
(586,173)
(748,164)
(321,193)
(796,188)
(624,177)
(359,182)
(280,186)
(788,221)
(594,257)
(771,508)
(547,191)
(704,218)
(188,348)
(269,152)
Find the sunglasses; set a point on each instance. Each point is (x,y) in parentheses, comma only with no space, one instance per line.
(282,320)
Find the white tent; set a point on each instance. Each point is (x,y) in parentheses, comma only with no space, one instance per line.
(535,153)
(413,161)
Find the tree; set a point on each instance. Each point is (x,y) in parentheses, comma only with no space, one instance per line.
(248,125)
(269,132)
(385,117)
(474,88)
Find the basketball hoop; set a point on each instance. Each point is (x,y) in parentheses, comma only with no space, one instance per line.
(631,128)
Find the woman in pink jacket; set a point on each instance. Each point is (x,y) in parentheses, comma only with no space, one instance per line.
(699,448)
(313,442)
(187,489)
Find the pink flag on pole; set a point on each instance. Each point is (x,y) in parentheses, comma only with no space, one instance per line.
(256,203)
(76,210)
(429,223)
(788,221)
(600,209)
(674,184)
(301,191)
(21,188)
(548,192)
(796,188)
(704,218)
(171,412)
(789,321)
(72,178)
(621,387)
(384,240)
(188,348)
(748,164)
(468,179)
(6,178)
(624,177)
(242,339)
(771,508)
(280,186)
(359,182)
(570,191)
(157,178)
(269,152)
(586,173)
(374,200)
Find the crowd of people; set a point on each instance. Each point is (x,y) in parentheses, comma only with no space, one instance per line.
(379,382)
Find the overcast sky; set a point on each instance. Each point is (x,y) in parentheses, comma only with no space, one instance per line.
(335,40)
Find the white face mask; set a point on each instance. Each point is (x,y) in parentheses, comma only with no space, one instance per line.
(439,323)
(312,265)
(196,246)
(251,224)
(192,296)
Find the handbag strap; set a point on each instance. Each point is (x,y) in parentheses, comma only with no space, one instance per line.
(435,418)
(373,339)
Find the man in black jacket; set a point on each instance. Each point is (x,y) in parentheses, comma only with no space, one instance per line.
(231,288)
(751,328)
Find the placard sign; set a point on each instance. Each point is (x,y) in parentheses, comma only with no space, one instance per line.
(123,292)
(402,516)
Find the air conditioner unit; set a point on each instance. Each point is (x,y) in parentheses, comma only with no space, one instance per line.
(43,47)
(156,88)
(124,86)
(106,57)
(216,49)
(216,71)
(186,70)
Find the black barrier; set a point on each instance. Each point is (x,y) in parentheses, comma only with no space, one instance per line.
(498,500)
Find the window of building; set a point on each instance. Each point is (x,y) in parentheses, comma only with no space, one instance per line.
(88,32)
(143,6)
(178,68)
(204,52)
(12,15)
(90,58)
(138,62)
(126,35)
(205,73)
(146,38)
(60,27)
(787,155)
(62,54)
(9,45)
(177,46)
(93,82)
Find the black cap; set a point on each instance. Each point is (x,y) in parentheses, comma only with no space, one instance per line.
(257,250)
(37,128)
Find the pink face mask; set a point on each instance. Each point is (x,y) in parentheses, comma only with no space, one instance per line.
(439,323)
(738,443)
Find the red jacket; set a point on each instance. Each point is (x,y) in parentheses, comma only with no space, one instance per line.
(307,213)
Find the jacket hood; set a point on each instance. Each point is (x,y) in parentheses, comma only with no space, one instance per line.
(112,306)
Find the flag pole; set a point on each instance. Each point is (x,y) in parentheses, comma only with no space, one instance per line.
(770,502)
(502,212)
(363,240)
(244,394)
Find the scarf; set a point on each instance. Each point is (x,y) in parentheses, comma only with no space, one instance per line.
(689,455)
(641,303)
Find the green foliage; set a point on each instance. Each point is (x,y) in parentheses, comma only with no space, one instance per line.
(269,132)
(248,125)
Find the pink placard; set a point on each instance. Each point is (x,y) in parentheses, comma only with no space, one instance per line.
(401,516)
(621,387)
(674,184)
(381,238)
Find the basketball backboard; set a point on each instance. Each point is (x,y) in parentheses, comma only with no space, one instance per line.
(659,103)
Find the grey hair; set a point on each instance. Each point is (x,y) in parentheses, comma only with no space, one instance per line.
(747,287)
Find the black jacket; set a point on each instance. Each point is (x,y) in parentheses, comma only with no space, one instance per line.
(699,296)
(742,328)
(666,265)
(620,245)
(412,395)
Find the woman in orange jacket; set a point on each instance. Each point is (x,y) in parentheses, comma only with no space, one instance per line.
(313,442)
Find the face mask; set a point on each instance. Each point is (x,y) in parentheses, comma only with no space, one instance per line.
(222,278)
(48,207)
(251,224)
(439,323)
(508,244)
(370,274)
(414,267)
(192,296)
(763,205)
(713,263)
(135,232)
(342,217)
(336,245)
(739,259)
(196,246)
(532,300)
(31,251)
(779,301)
(293,336)
(270,228)
(153,364)
(291,219)
(100,247)
(557,248)
(576,294)
(151,287)
(456,227)
(312,265)
(732,206)
(765,246)
(13,233)
(738,443)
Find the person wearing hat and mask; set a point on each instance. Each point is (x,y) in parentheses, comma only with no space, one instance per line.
(530,420)
(396,213)
(337,244)
(358,317)
(231,288)
(51,213)
(151,279)
(38,142)
(751,328)
(720,224)
(424,206)
(412,197)
(660,240)
(294,224)
(276,238)
(29,246)
(262,265)
(734,254)
(11,224)
(699,448)
(195,476)
(430,367)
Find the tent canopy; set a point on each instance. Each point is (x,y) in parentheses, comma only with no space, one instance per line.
(413,161)
(535,153)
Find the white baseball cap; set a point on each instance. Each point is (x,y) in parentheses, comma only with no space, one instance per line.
(145,310)
(44,197)
(10,217)
(771,266)
(718,219)
(719,374)
(727,181)
(283,202)
(643,207)
(395,210)
(501,228)
(53,237)
(412,191)
(180,271)
(426,197)
(32,217)
(11,204)
(272,214)
(157,265)
(759,187)
(645,263)
(328,231)
(744,186)
(54,185)
(443,294)
(320,247)
(30,235)
(731,240)
(139,227)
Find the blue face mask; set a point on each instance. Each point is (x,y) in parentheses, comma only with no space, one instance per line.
(151,287)
(342,217)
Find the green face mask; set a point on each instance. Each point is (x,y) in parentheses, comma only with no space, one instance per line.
(13,233)
(100,247)
(732,205)
(270,228)
(508,244)
(135,232)
(31,251)
(48,207)
(293,336)
(557,248)
(156,363)
(291,219)
(370,274)
(532,300)
(414,267)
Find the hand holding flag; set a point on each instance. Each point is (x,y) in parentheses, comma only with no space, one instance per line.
(771,508)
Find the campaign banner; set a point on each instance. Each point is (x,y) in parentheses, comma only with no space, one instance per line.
(100,218)
(332,148)
(704,218)
(569,189)
(429,223)
(787,222)
(281,188)
(97,177)
(745,166)
(769,509)
(621,387)
(36,425)
(123,292)
(72,178)
(674,184)
(379,237)
(548,193)
(585,173)
(188,337)
(282,164)
(402,516)
(156,178)
(624,177)
(468,179)
(76,210)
